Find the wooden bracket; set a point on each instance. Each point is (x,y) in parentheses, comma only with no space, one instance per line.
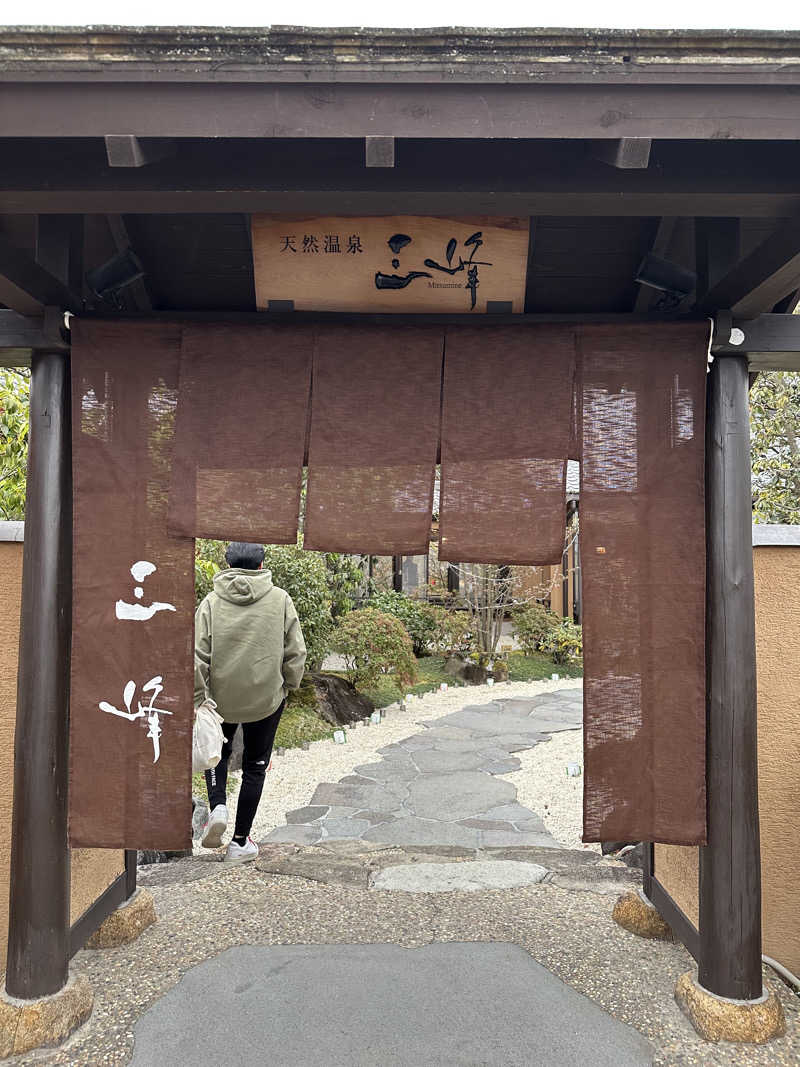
(379,151)
(127,150)
(625,153)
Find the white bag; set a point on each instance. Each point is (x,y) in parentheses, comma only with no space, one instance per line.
(207,737)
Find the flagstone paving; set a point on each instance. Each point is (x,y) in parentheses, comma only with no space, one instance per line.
(441,786)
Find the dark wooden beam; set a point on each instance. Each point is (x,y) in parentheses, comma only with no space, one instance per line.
(626,153)
(38,928)
(770,342)
(677,920)
(255,318)
(379,151)
(60,106)
(26,287)
(729,962)
(137,291)
(19,332)
(126,150)
(97,912)
(348,200)
(662,238)
(520,177)
(59,248)
(756,284)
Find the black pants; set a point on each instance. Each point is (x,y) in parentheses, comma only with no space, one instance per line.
(259,738)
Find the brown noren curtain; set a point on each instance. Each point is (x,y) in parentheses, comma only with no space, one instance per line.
(241,429)
(133,596)
(506,433)
(642,529)
(374,436)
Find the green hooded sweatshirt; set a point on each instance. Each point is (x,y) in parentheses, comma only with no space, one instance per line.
(248,646)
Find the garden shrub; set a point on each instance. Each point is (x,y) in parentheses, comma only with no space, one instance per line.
(563,643)
(453,634)
(209,560)
(532,625)
(345,582)
(374,643)
(304,577)
(417,616)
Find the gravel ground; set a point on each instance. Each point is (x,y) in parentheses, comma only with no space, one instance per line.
(571,933)
(296,774)
(543,786)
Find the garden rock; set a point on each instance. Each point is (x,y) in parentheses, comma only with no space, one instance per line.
(466,671)
(469,877)
(339,702)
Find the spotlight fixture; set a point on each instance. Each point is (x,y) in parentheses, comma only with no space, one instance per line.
(673,281)
(107,280)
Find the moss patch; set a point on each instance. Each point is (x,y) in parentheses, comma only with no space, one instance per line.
(431,672)
(537,667)
(301,723)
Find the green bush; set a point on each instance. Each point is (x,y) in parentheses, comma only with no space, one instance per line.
(417,616)
(374,644)
(345,582)
(532,625)
(209,560)
(14,390)
(563,643)
(304,577)
(453,634)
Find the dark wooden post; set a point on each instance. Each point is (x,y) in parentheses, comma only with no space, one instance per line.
(38,931)
(730,866)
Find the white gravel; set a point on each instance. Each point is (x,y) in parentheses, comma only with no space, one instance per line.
(296,774)
(544,786)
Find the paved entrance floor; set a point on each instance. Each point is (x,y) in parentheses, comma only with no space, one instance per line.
(449,1005)
(355,950)
(440,786)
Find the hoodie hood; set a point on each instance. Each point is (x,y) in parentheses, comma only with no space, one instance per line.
(241,586)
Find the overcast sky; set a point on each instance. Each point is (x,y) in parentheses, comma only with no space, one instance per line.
(625,14)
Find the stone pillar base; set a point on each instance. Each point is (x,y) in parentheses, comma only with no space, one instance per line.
(126,923)
(634,912)
(46,1021)
(719,1019)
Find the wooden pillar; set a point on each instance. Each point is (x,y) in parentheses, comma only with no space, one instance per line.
(38,931)
(730,865)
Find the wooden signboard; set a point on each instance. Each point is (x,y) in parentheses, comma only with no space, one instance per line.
(404,263)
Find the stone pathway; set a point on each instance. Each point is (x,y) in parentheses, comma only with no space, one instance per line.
(442,786)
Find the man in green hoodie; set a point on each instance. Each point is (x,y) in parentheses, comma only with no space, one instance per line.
(249,651)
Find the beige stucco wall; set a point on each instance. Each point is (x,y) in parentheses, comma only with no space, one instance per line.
(777,582)
(93,870)
(10,589)
(676,867)
(777,574)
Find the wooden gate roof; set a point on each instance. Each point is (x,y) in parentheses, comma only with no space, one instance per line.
(612,142)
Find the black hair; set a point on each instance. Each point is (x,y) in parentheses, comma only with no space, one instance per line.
(244,555)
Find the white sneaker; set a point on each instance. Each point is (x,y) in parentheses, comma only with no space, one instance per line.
(242,853)
(215,827)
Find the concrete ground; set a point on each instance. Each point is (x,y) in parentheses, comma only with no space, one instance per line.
(351,950)
(563,924)
(456,1003)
